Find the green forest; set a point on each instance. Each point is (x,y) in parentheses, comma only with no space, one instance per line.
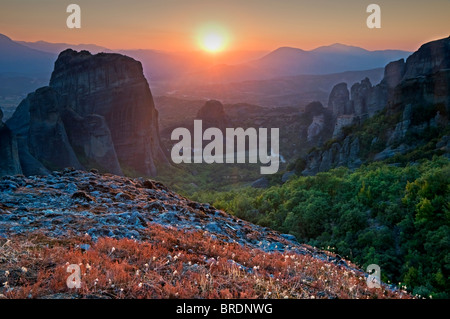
(396,217)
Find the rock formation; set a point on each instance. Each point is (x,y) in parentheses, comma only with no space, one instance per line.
(213,115)
(430,58)
(47,137)
(393,73)
(345,153)
(9,156)
(97,112)
(363,102)
(416,91)
(113,86)
(339,100)
(319,119)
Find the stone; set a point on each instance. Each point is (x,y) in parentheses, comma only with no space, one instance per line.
(316,127)
(430,58)
(289,237)
(213,115)
(113,86)
(343,121)
(91,138)
(9,155)
(98,112)
(261,183)
(286,176)
(47,136)
(359,95)
(423,81)
(393,73)
(339,100)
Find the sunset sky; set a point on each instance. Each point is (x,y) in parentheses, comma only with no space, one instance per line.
(181,25)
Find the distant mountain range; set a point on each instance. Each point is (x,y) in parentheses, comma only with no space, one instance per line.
(325,60)
(56,48)
(20,59)
(38,57)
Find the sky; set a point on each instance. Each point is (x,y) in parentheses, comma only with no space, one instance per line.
(182,25)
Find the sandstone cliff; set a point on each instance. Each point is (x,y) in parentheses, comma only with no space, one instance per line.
(9,156)
(414,98)
(97,112)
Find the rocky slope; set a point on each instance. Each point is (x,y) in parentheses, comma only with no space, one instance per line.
(86,210)
(97,111)
(408,109)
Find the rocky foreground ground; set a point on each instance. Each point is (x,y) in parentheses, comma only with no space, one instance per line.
(134,238)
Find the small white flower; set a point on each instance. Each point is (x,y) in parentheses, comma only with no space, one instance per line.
(140,285)
(7,273)
(24,270)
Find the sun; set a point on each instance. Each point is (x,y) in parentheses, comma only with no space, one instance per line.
(213,42)
(213,38)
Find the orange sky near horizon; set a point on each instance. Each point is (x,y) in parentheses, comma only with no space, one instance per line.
(176,25)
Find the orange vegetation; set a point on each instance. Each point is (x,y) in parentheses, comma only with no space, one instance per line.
(171,264)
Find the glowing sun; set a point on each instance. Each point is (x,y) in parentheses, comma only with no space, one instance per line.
(213,42)
(213,38)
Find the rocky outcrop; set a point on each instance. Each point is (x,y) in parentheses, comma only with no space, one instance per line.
(426,78)
(91,137)
(416,93)
(344,153)
(316,127)
(97,112)
(47,138)
(365,100)
(212,114)
(430,58)
(20,125)
(393,73)
(261,183)
(320,123)
(9,156)
(114,87)
(339,100)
